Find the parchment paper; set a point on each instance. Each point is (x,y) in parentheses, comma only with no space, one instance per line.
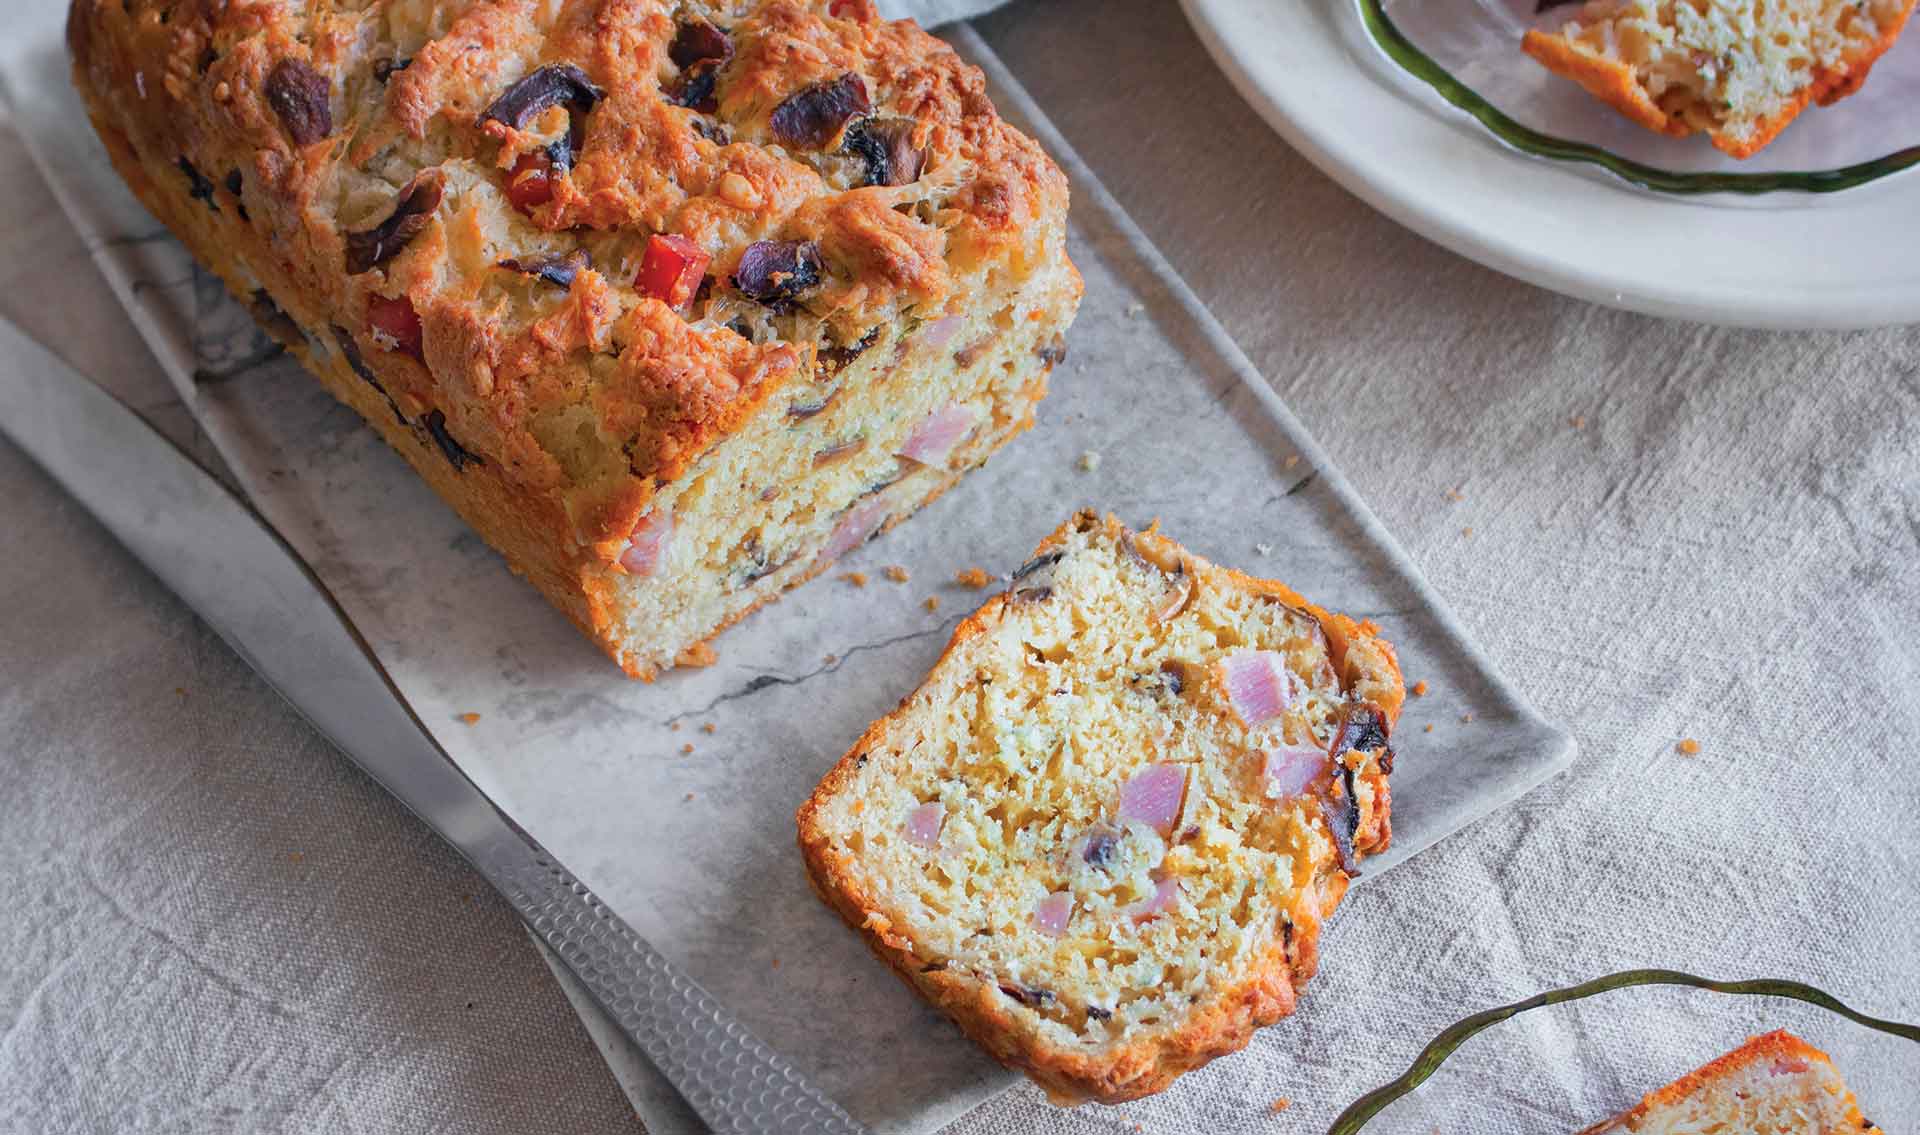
(1154,414)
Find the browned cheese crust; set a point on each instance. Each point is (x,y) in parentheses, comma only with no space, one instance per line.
(1371,676)
(285,141)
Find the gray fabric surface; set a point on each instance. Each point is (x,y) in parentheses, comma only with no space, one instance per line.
(1661,531)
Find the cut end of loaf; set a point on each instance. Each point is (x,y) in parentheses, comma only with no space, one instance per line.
(1736,70)
(1103,834)
(1775,1084)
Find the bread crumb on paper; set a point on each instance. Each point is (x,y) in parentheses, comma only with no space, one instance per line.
(1089,461)
(1689,747)
(1292,460)
(1420,688)
(1280,1105)
(1578,421)
(1429,726)
(973,577)
(857,578)
(1467,532)
(686,749)
(933,603)
(470,718)
(709,727)
(896,573)
(1455,496)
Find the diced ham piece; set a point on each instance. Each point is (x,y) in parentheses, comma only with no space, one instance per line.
(1166,892)
(647,547)
(941,331)
(854,528)
(1291,769)
(1153,796)
(1259,686)
(1050,914)
(932,441)
(924,823)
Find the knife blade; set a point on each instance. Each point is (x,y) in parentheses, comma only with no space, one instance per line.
(229,565)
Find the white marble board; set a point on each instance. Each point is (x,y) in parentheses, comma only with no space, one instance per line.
(697,850)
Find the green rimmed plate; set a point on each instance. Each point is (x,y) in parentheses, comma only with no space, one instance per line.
(1557,1062)
(1467,52)
(1780,258)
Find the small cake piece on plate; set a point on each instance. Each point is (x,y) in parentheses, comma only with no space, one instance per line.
(1775,1084)
(1104,832)
(1740,70)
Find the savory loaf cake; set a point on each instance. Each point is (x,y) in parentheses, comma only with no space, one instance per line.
(675,302)
(1740,70)
(1102,835)
(1776,1084)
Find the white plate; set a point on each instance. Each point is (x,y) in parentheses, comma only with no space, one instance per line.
(1781,260)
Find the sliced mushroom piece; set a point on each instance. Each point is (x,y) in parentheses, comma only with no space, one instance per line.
(886,146)
(777,271)
(302,97)
(556,268)
(556,84)
(838,452)
(696,40)
(812,117)
(1033,581)
(198,187)
(695,88)
(412,209)
(457,455)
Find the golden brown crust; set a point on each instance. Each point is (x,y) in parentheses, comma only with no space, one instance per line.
(193,104)
(1774,1046)
(1227,1022)
(1613,82)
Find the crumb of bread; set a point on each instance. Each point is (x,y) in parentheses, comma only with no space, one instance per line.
(1292,460)
(1689,747)
(1280,1105)
(709,727)
(896,573)
(830,659)
(697,657)
(1467,532)
(1089,461)
(686,749)
(933,603)
(689,797)
(1578,421)
(857,578)
(1420,688)
(1455,496)
(973,577)
(470,718)
(1429,726)
(1467,718)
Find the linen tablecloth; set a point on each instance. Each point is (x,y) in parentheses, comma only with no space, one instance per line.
(1658,531)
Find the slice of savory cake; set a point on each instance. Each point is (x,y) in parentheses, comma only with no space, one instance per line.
(1102,835)
(1775,1084)
(1740,70)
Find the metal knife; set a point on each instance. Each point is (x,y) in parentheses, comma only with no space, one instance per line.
(217,554)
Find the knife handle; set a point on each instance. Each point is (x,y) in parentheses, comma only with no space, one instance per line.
(731,1078)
